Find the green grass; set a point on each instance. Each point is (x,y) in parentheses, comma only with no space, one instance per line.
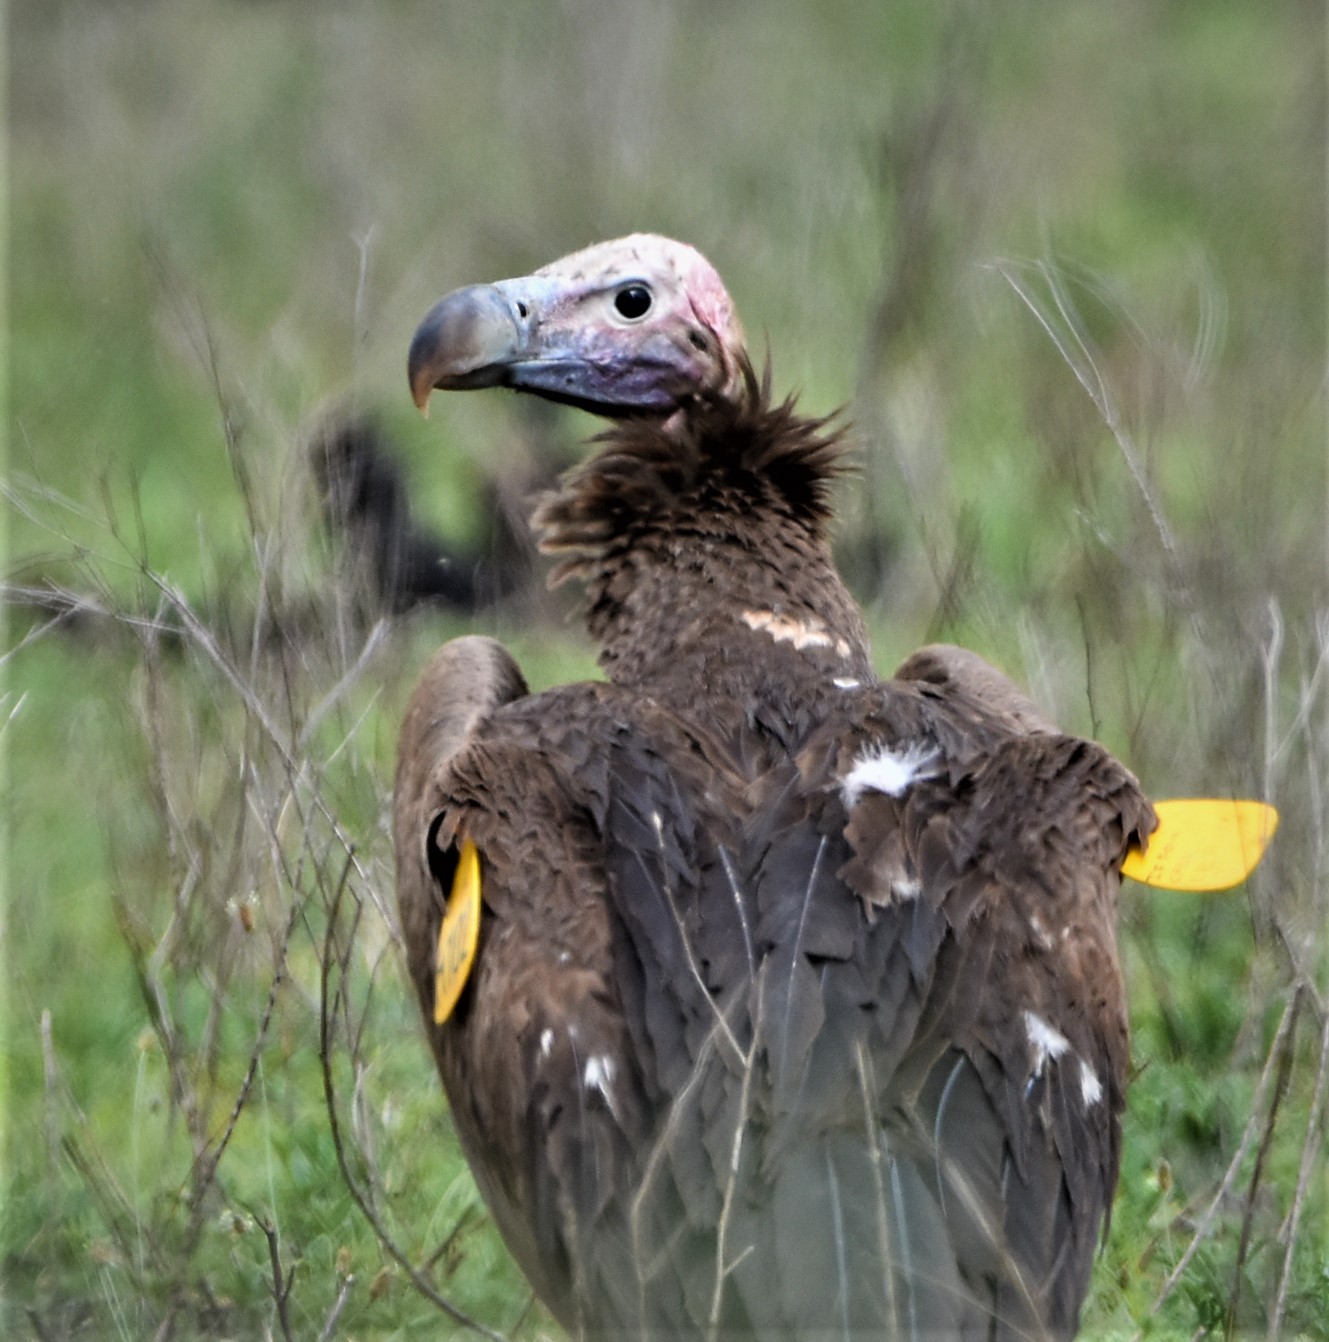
(225,220)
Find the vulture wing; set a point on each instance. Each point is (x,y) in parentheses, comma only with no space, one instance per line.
(735,1058)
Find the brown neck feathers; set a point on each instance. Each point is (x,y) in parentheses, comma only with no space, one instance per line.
(696,542)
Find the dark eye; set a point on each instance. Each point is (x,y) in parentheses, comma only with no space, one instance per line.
(633,301)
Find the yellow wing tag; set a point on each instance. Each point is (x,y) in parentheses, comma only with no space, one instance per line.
(459,936)
(1203,844)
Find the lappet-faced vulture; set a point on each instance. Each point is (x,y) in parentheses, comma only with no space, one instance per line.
(796,1009)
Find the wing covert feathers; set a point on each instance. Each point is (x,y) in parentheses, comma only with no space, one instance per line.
(735,1036)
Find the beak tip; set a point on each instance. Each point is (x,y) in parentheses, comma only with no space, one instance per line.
(464,342)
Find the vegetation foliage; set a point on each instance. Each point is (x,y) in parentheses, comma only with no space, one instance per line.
(1065,266)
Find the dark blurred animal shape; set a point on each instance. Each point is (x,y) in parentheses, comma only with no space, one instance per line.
(399,562)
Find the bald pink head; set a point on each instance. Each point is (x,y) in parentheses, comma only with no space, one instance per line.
(642,325)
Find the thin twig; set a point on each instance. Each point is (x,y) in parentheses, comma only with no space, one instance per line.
(205,1171)
(281,1281)
(1206,1220)
(1072,344)
(343,1295)
(328,1006)
(462,1224)
(867,1091)
(377,635)
(722,1269)
(1311,1157)
(1257,1173)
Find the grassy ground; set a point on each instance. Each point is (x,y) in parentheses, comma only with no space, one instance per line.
(1066,266)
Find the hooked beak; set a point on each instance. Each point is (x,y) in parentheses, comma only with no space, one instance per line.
(548,334)
(468,339)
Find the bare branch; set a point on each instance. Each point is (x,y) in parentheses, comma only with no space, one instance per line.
(1312,1156)
(329,1328)
(1205,1222)
(1248,1216)
(282,1281)
(335,962)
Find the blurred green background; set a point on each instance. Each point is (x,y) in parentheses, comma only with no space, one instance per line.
(1065,266)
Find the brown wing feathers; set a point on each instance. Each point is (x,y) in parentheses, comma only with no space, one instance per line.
(796,1010)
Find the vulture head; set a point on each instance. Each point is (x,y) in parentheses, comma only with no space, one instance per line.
(638,327)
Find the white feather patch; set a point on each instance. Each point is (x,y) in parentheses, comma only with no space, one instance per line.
(599,1075)
(810,633)
(546,1043)
(894,772)
(1046,1042)
(1091,1088)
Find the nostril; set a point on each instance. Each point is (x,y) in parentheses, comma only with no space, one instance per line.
(522,309)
